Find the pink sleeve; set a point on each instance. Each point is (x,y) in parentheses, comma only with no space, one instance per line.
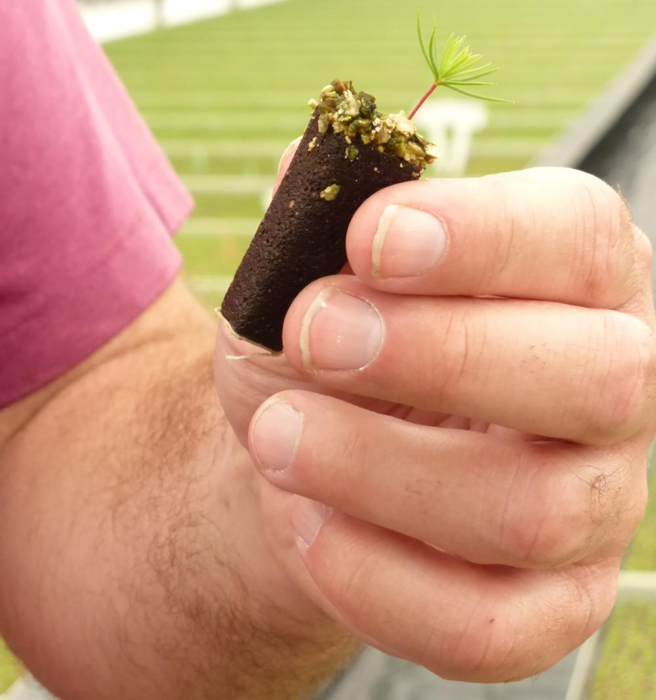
(88,202)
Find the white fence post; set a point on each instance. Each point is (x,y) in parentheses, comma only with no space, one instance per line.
(451,125)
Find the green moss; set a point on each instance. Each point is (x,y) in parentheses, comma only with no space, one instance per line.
(331,193)
(356,117)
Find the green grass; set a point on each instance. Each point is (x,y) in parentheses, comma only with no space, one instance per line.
(225,166)
(228,205)
(233,91)
(207,255)
(642,554)
(627,668)
(10,669)
(216,88)
(242,81)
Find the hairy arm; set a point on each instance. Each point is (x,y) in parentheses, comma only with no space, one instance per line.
(135,562)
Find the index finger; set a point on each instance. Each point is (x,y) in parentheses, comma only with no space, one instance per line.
(551,234)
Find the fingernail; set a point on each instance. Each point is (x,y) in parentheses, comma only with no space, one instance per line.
(408,242)
(307,518)
(340,331)
(288,152)
(275,434)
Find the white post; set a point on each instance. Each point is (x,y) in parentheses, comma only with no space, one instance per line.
(158,13)
(451,125)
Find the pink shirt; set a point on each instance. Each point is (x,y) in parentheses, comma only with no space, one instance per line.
(88,201)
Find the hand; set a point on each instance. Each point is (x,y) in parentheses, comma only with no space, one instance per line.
(466,420)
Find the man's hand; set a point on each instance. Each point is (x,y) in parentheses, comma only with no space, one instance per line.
(135,564)
(466,419)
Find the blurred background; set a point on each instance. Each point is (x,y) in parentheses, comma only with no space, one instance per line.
(224,96)
(224,86)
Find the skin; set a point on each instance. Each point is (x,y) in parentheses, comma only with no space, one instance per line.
(150,552)
(533,481)
(135,560)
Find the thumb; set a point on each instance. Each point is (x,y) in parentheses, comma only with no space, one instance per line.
(285,161)
(245,374)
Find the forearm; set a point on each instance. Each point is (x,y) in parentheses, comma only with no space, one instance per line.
(135,564)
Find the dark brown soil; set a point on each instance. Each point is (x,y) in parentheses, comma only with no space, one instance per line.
(302,236)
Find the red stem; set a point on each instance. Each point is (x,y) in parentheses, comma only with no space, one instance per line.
(423,99)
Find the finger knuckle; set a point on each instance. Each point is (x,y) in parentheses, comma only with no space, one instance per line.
(604,221)
(337,469)
(354,581)
(543,523)
(551,530)
(475,662)
(348,473)
(621,380)
(588,597)
(489,648)
(628,500)
(603,207)
(512,640)
(643,254)
(558,540)
(643,246)
(460,344)
(610,494)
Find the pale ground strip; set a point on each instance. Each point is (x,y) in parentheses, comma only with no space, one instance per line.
(242,150)
(201,154)
(548,44)
(594,73)
(583,669)
(281,99)
(26,689)
(108,21)
(244,122)
(219,227)
(637,584)
(228,184)
(484,147)
(216,284)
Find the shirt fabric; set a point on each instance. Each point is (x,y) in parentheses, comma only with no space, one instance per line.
(88,201)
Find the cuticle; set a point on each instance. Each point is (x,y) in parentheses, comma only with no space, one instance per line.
(437,265)
(260,412)
(309,367)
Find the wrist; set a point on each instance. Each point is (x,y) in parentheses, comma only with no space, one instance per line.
(299,634)
(259,565)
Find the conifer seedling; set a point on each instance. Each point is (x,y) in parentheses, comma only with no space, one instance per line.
(349,152)
(457,68)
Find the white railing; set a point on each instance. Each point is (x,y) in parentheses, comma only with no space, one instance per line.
(27,689)
(116,19)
